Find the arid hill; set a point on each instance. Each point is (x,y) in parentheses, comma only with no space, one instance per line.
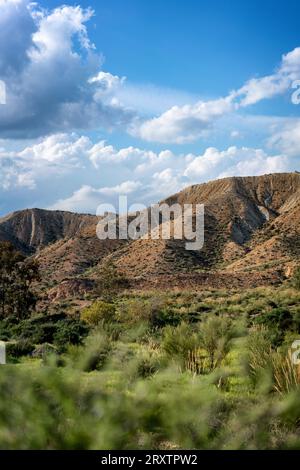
(252,237)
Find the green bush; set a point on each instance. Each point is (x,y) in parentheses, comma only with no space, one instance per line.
(279,320)
(98,312)
(179,341)
(166,316)
(259,346)
(69,331)
(95,353)
(215,336)
(118,388)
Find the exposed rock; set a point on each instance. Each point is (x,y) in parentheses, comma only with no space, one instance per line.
(252,229)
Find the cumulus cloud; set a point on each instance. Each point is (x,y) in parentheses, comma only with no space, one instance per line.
(154,176)
(287,140)
(258,89)
(88,198)
(63,153)
(84,199)
(234,162)
(182,124)
(55,155)
(145,160)
(53,84)
(144,175)
(126,187)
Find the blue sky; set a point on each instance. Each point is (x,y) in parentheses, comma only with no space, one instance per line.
(143,98)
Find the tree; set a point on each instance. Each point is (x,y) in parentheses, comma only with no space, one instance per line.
(17,275)
(110,282)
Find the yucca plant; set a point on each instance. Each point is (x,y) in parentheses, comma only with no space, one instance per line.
(197,362)
(286,375)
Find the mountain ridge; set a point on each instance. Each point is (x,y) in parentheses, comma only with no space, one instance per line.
(250,222)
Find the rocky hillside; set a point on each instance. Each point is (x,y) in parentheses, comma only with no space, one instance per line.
(31,230)
(252,236)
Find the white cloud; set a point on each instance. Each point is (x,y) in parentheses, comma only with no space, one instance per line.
(55,155)
(62,149)
(84,199)
(48,75)
(182,124)
(145,160)
(158,175)
(107,82)
(234,162)
(88,198)
(151,99)
(126,187)
(102,153)
(287,140)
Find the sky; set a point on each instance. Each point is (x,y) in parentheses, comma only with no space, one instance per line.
(143,98)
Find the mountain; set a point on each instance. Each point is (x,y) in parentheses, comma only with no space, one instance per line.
(252,237)
(31,230)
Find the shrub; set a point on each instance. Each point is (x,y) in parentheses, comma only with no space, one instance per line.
(215,336)
(178,342)
(166,316)
(98,312)
(19,349)
(58,329)
(95,352)
(286,375)
(148,364)
(134,310)
(156,310)
(259,346)
(279,320)
(69,331)
(110,282)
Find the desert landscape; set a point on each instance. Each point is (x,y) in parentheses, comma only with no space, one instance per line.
(149,232)
(141,329)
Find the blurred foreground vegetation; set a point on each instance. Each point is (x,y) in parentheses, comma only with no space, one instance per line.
(206,370)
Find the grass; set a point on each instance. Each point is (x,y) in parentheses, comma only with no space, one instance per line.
(193,370)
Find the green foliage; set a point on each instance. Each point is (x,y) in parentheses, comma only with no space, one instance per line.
(19,348)
(259,345)
(286,375)
(69,331)
(166,316)
(16,277)
(215,336)
(120,387)
(47,409)
(279,320)
(110,282)
(202,349)
(59,329)
(179,341)
(95,353)
(157,310)
(98,312)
